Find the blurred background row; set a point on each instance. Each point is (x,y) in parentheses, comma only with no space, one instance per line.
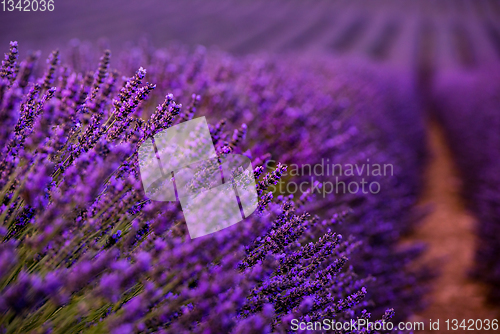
(441,34)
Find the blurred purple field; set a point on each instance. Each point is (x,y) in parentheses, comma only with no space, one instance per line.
(413,85)
(450,33)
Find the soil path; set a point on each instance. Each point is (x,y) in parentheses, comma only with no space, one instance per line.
(449,232)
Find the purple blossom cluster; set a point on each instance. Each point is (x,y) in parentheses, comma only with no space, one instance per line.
(84,250)
(467,104)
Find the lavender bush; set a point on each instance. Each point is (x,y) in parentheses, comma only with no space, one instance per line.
(83,249)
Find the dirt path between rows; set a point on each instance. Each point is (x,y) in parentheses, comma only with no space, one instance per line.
(449,233)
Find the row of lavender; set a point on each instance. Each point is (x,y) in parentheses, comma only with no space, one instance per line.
(84,250)
(468,106)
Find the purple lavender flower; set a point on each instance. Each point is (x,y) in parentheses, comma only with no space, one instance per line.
(83,249)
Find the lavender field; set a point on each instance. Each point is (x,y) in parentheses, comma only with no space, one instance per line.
(402,98)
